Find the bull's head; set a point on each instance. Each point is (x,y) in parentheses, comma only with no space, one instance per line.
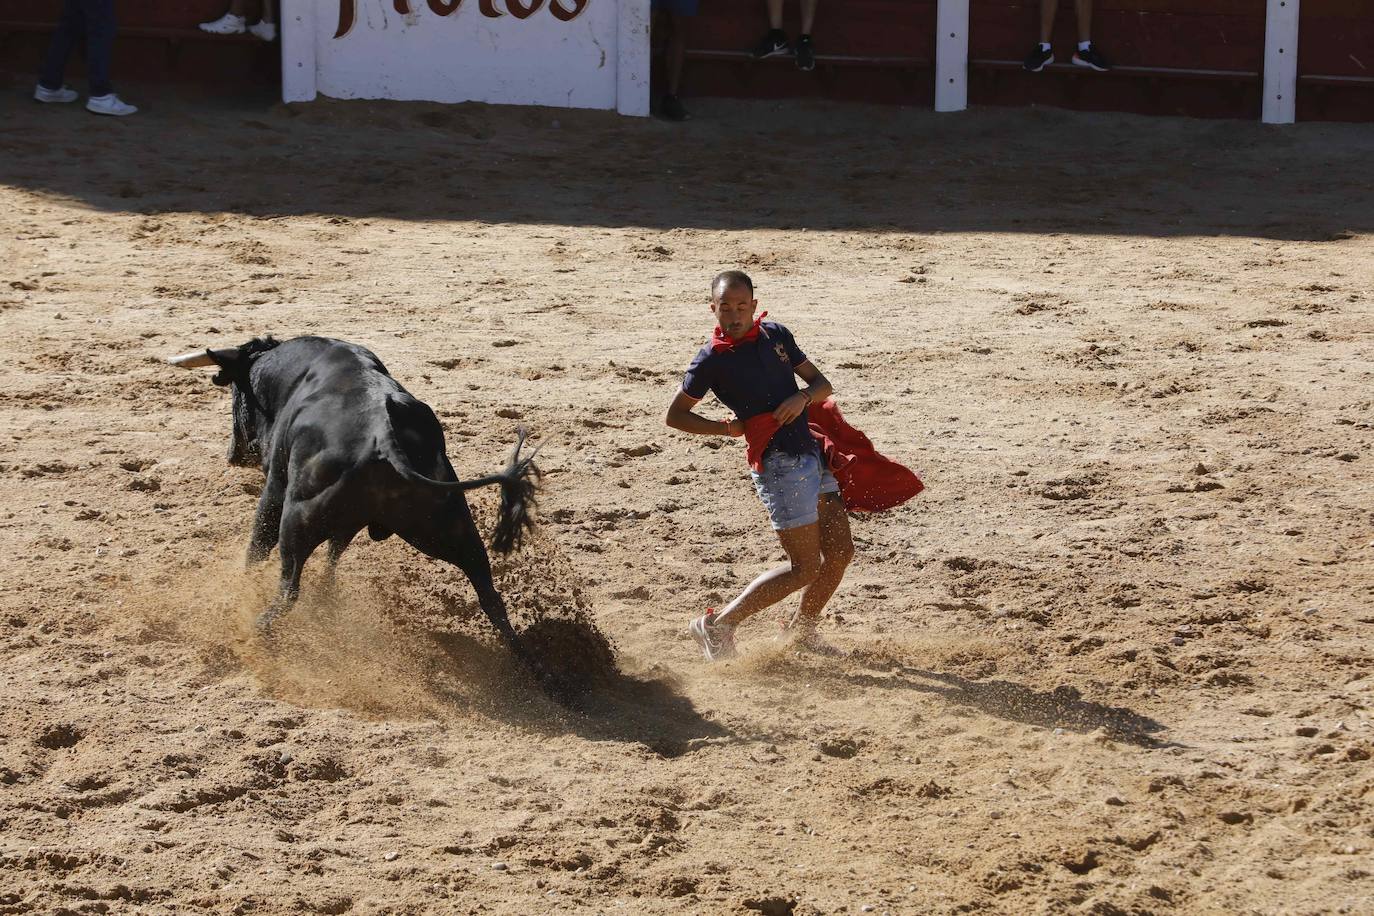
(235,365)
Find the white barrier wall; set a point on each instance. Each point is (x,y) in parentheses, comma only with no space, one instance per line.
(563,53)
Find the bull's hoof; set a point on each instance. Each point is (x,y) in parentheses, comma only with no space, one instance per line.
(265,626)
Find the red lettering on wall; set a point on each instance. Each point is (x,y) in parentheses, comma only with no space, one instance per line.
(562,10)
(521,11)
(346,13)
(562,13)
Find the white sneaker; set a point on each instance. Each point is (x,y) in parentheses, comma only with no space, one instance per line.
(109,105)
(40,94)
(267,31)
(228,24)
(716,641)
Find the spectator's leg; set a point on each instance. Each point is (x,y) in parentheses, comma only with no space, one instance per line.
(238,8)
(1084,11)
(677,51)
(775,42)
(808,11)
(775,15)
(269,11)
(70,28)
(100,36)
(1048,9)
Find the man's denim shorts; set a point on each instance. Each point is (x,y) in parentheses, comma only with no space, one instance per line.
(791,487)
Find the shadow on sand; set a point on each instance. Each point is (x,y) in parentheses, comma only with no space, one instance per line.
(599,702)
(1062,707)
(737,166)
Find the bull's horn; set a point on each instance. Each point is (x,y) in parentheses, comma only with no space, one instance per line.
(193,360)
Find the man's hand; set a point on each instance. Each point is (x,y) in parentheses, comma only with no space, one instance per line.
(791,408)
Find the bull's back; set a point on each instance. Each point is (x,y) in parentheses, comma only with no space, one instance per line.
(344,413)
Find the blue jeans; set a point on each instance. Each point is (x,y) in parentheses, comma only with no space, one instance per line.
(93,20)
(790,487)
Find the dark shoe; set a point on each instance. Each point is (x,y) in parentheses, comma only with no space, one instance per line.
(1091,58)
(673,109)
(772,45)
(806,53)
(1037,59)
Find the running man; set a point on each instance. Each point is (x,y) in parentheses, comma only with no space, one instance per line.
(752,367)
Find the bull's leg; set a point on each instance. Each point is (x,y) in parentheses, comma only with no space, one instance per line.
(267,521)
(299,538)
(463,548)
(337,545)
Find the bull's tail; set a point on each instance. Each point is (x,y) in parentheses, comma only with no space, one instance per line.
(518,485)
(519,482)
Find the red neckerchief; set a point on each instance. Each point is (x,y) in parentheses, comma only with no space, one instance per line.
(720,342)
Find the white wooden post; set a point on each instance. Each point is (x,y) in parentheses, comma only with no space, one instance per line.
(951,55)
(632,58)
(1280,62)
(297,50)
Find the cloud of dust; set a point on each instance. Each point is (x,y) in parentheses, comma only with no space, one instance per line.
(394,635)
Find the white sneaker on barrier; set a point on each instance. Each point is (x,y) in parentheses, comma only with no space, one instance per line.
(267,31)
(109,105)
(228,24)
(41,94)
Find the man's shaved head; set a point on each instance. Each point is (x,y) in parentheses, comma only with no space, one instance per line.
(729,279)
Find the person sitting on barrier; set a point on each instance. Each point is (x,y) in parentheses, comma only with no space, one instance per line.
(234,22)
(775,42)
(93,21)
(1087,54)
(671,16)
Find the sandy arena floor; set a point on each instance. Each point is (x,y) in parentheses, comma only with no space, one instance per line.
(1117,659)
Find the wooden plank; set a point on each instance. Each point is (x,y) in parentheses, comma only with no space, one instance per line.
(839,60)
(1145,39)
(951,55)
(1170,72)
(1322,79)
(1280,62)
(632,58)
(1334,45)
(868,28)
(299,66)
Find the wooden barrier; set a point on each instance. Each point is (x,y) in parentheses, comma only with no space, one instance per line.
(157,40)
(1191,57)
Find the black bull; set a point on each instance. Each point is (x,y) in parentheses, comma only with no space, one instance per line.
(345,447)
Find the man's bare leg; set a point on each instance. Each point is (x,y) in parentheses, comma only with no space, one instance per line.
(837,549)
(808,11)
(1084,10)
(677,52)
(774,14)
(1048,8)
(803,547)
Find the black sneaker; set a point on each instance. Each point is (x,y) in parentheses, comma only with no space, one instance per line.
(772,45)
(673,109)
(806,53)
(1091,58)
(1037,59)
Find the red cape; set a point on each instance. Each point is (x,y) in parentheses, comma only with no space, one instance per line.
(868,481)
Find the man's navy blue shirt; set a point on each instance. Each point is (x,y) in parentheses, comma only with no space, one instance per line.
(754,378)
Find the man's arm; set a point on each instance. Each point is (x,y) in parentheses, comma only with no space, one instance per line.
(817,389)
(680,416)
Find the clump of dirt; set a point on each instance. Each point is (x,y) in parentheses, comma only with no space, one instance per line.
(574,652)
